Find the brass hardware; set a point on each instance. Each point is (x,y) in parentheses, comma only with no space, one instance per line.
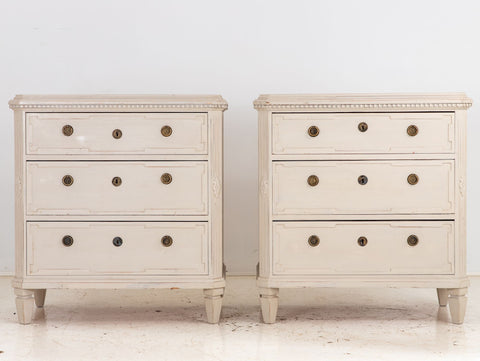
(117,134)
(67,241)
(117,181)
(166,131)
(412,130)
(363,179)
(117,241)
(412,179)
(67,180)
(412,240)
(67,130)
(167,241)
(312,180)
(166,178)
(313,241)
(362,241)
(313,131)
(362,127)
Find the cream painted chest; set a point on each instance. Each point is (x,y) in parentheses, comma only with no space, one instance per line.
(118,192)
(363,191)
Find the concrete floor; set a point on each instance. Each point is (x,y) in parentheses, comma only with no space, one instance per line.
(312,324)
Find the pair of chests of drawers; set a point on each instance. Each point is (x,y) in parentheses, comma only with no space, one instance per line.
(355,192)
(84,171)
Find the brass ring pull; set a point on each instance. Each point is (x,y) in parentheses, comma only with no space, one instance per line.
(313,241)
(167,241)
(363,127)
(67,180)
(117,181)
(166,178)
(67,241)
(313,131)
(117,134)
(412,179)
(166,131)
(412,240)
(312,180)
(117,241)
(412,130)
(67,130)
(362,180)
(362,241)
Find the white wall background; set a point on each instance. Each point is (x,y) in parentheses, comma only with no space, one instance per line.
(238,49)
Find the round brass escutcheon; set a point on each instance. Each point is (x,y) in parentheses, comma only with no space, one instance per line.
(166,178)
(117,134)
(67,241)
(412,130)
(313,241)
(166,131)
(117,241)
(363,127)
(362,241)
(67,180)
(67,130)
(313,131)
(312,180)
(412,179)
(117,181)
(363,179)
(167,241)
(412,240)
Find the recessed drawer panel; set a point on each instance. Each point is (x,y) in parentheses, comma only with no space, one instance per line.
(356,248)
(363,133)
(116,248)
(363,187)
(116,133)
(123,188)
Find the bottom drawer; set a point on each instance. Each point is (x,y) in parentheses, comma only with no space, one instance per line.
(402,247)
(121,248)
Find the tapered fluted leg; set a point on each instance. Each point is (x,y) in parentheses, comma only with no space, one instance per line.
(213,303)
(24,302)
(458,304)
(40,297)
(442,294)
(269,304)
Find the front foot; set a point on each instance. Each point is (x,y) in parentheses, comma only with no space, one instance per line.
(458,304)
(40,297)
(269,303)
(24,302)
(213,303)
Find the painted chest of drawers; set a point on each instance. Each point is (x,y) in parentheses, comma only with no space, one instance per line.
(362,191)
(118,192)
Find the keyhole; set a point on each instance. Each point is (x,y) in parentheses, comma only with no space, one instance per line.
(117,133)
(117,181)
(362,241)
(117,241)
(362,180)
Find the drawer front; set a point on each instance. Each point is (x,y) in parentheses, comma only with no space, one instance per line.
(116,133)
(363,133)
(123,188)
(337,250)
(142,250)
(363,187)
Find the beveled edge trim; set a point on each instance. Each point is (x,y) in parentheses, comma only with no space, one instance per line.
(387,106)
(220,106)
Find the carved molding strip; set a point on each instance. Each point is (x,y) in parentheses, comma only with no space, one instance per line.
(222,106)
(365,106)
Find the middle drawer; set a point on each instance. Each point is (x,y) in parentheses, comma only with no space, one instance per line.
(363,187)
(117,188)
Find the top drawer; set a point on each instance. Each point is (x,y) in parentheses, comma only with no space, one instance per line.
(323,133)
(116,133)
